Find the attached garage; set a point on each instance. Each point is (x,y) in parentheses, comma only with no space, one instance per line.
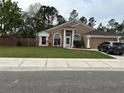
(94,38)
(96,41)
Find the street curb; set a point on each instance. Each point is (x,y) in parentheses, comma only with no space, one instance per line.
(21,69)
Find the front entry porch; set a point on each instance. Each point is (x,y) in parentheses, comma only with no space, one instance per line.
(68,38)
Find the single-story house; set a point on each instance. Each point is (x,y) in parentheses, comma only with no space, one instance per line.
(65,34)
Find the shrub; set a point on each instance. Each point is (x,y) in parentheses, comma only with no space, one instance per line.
(78,44)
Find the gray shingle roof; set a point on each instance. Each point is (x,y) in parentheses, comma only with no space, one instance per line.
(98,32)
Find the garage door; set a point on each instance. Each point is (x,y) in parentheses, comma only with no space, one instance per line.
(122,41)
(96,41)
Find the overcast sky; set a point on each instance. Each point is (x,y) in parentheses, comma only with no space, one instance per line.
(102,10)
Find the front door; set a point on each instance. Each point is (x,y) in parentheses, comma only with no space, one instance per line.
(68,42)
(68,39)
(44,40)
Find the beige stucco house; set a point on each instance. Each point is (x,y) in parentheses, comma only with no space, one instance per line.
(65,34)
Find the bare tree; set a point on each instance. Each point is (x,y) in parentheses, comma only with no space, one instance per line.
(33,9)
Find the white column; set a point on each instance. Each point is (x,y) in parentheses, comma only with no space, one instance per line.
(72,45)
(64,40)
(47,43)
(40,40)
(88,42)
(118,39)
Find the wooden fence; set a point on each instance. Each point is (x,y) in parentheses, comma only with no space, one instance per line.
(13,41)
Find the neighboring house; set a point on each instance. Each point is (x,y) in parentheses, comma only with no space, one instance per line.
(65,34)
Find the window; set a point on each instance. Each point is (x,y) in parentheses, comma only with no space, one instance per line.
(68,33)
(57,39)
(77,41)
(77,37)
(105,44)
(67,41)
(43,40)
(117,44)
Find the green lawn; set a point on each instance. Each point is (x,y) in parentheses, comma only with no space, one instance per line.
(40,52)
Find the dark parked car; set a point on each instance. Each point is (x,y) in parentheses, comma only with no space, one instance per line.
(112,47)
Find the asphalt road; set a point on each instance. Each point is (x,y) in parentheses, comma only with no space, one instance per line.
(62,82)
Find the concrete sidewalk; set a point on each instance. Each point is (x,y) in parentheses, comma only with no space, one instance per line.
(39,64)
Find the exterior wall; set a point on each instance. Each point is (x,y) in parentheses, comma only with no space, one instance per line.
(82,29)
(78,29)
(85,41)
(52,32)
(43,34)
(69,25)
(96,41)
(58,30)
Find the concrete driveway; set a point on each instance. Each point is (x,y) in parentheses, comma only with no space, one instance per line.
(121,57)
(37,64)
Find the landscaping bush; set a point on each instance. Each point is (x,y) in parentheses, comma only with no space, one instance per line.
(78,44)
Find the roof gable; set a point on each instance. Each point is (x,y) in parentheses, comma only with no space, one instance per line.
(70,24)
(84,25)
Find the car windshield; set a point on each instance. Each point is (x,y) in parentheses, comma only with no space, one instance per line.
(107,43)
(117,44)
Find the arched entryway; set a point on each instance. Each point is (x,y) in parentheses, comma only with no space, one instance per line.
(77,41)
(57,40)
